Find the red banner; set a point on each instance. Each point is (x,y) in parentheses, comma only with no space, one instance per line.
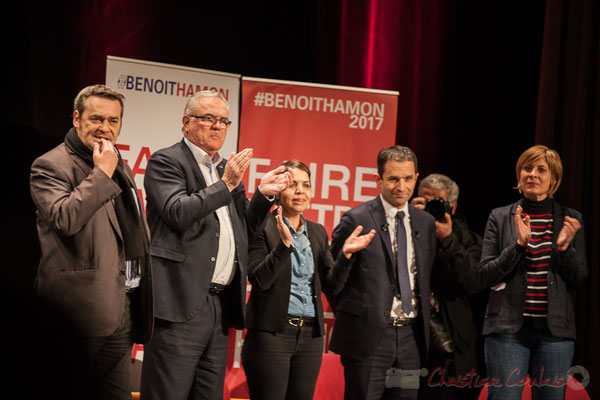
(336,131)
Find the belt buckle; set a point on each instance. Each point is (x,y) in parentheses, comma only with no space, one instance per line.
(296,321)
(399,321)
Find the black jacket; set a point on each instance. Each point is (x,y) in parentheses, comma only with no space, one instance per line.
(503,261)
(362,308)
(454,279)
(270,273)
(184,229)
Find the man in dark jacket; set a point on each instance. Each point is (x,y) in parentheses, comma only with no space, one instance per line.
(382,314)
(456,286)
(200,221)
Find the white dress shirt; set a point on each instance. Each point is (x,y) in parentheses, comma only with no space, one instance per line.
(224,266)
(390,216)
(132,275)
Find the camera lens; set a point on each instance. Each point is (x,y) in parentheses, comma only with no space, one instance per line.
(437,208)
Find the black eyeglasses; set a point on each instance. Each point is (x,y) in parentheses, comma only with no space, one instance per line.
(212,120)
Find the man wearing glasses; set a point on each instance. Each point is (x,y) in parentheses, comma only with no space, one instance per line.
(200,219)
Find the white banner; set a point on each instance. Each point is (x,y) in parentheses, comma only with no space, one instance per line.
(155,96)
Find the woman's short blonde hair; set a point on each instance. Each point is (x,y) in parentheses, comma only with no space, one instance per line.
(551,157)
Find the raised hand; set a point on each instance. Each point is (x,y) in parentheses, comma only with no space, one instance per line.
(236,167)
(355,243)
(443,229)
(567,233)
(105,157)
(284,231)
(523,228)
(275,181)
(418,202)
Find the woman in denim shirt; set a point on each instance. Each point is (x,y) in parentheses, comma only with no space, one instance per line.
(289,265)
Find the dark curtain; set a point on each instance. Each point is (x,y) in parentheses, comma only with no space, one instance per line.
(568,120)
(472,77)
(478,85)
(399,45)
(467,73)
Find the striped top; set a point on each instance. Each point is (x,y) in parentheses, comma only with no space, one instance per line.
(537,258)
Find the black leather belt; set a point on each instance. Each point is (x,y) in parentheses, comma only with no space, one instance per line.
(216,289)
(300,321)
(400,321)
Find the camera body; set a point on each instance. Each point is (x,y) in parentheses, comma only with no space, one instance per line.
(438,207)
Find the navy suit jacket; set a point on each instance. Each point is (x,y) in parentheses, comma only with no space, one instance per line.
(185,234)
(362,307)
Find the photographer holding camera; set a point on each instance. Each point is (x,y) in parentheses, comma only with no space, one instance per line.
(454,282)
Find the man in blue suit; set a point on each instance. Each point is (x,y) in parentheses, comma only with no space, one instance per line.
(382,315)
(200,220)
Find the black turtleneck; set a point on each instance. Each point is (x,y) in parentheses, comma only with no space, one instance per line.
(537,207)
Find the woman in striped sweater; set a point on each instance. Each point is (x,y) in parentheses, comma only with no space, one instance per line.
(533,253)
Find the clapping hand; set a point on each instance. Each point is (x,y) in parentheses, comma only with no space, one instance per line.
(284,231)
(567,233)
(236,167)
(355,243)
(523,228)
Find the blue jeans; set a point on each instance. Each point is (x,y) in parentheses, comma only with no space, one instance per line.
(510,357)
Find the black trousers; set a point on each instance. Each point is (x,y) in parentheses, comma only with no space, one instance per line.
(283,365)
(187,360)
(367,379)
(108,361)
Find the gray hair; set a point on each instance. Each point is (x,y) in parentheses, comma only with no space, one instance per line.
(97,91)
(193,102)
(395,153)
(439,181)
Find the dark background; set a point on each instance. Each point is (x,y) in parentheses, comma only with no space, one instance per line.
(479,83)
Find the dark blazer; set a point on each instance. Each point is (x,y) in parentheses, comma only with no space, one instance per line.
(185,233)
(82,267)
(270,273)
(454,279)
(503,260)
(362,307)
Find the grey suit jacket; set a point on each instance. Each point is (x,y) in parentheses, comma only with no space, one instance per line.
(82,266)
(362,307)
(185,229)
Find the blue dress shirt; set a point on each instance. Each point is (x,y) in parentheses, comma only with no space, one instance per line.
(303,270)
